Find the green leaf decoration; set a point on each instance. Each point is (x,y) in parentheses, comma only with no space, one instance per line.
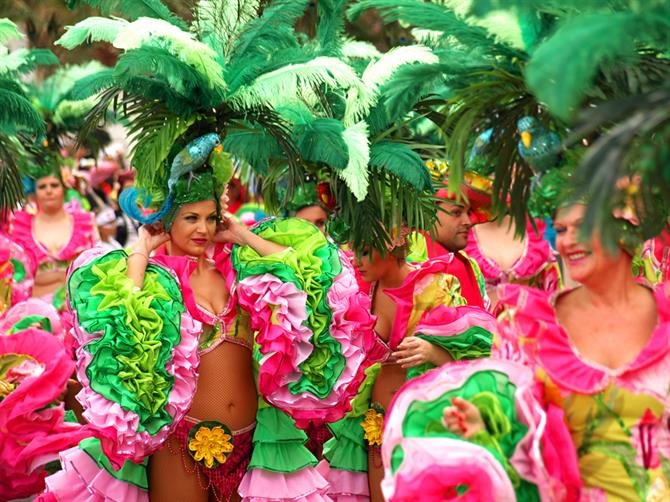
(132,9)
(561,78)
(254,145)
(403,162)
(16,109)
(93,84)
(92,29)
(11,187)
(321,141)
(270,32)
(356,173)
(330,28)
(432,16)
(9,31)
(219,22)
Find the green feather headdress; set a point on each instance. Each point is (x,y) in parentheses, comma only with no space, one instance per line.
(276,98)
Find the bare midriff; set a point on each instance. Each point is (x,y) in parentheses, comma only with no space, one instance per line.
(48,281)
(226,389)
(390,379)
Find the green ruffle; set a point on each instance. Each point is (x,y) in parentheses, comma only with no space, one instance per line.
(474,343)
(31,321)
(141,329)
(495,393)
(279,445)
(361,403)
(347,450)
(311,263)
(130,472)
(19,270)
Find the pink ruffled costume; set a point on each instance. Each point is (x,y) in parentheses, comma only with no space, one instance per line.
(618,419)
(34,370)
(537,267)
(83,237)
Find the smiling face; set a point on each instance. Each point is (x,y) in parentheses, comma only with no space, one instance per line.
(193,229)
(453,225)
(315,215)
(586,261)
(49,194)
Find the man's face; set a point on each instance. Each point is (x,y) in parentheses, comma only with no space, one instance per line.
(453,225)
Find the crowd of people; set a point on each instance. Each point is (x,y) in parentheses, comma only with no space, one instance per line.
(203,316)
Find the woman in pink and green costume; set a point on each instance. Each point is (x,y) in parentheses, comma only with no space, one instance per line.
(273,311)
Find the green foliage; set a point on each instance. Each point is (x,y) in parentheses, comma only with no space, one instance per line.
(92,29)
(321,141)
(25,60)
(561,78)
(403,162)
(93,84)
(9,31)
(11,188)
(16,110)
(252,144)
(159,64)
(270,32)
(432,16)
(330,28)
(132,9)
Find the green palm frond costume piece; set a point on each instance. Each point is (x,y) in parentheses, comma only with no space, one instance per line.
(590,71)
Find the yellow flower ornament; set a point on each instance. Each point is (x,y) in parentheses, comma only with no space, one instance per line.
(373,425)
(210,443)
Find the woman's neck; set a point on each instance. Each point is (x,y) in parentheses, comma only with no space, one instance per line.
(616,288)
(55,215)
(395,275)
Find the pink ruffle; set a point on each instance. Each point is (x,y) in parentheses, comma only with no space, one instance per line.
(348,486)
(547,345)
(404,295)
(83,235)
(117,427)
(449,321)
(431,475)
(278,313)
(527,458)
(306,485)
(33,307)
(33,435)
(10,249)
(537,256)
(82,480)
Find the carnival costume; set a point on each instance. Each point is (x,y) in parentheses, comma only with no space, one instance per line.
(428,295)
(34,370)
(299,312)
(537,266)
(83,237)
(16,273)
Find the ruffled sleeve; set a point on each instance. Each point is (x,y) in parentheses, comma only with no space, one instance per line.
(22,233)
(464,332)
(22,273)
(136,356)
(504,462)
(314,330)
(34,370)
(84,234)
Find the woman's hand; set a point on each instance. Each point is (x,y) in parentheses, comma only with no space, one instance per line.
(463,418)
(230,230)
(413,351)
(150,237)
